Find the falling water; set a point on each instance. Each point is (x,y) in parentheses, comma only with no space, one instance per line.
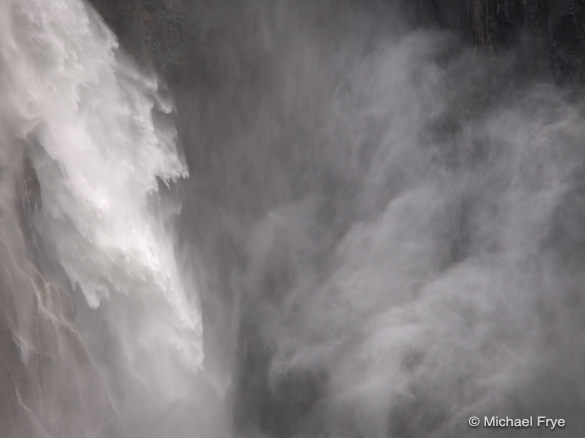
(379,227)
(99,313)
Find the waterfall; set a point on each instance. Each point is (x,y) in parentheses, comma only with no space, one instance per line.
(371,229)
(105,323)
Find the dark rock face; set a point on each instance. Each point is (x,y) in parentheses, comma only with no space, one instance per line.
(172,33)
(486,22)
(560,25)
(163,32)
(568,39)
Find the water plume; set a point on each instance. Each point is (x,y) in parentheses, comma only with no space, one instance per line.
(381,230)
(99,141)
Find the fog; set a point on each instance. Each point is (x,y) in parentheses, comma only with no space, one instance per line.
(331,223)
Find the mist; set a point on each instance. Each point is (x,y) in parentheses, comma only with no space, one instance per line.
(328,221)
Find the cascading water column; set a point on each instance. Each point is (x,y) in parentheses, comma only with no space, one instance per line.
(100,143)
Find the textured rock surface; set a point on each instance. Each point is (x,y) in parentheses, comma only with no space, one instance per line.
(559,24)
(174,33)
(162,31)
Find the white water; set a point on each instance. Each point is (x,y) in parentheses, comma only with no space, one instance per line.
(393,229)
(101,143)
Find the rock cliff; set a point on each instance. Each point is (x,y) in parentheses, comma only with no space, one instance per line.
(559,24)
(174,33)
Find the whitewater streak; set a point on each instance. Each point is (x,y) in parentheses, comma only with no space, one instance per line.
(100,142)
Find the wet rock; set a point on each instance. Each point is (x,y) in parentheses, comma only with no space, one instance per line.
(173,34)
